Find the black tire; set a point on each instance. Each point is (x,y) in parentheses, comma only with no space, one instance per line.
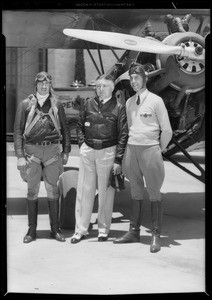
(67,203)
(123,91)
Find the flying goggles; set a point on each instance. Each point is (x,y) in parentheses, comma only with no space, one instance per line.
(41,77)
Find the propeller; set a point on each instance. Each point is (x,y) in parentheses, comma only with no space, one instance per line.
(135,43)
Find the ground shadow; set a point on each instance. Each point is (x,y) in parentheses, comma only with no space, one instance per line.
(45,234)
(184,218)
(17,206)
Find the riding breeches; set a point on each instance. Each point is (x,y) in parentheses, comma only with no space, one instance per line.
(49,173)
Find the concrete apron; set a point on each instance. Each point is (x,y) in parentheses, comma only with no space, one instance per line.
(91,267)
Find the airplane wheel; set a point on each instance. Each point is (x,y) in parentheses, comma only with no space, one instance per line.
(120,96)
(123,91)
(192,73)
(72,129)
(67,204)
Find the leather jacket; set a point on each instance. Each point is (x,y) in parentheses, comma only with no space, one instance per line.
(103,125)
(43,130)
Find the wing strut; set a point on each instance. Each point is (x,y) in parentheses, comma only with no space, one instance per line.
(91,56)
(100,59)
(200,177)
(114,53)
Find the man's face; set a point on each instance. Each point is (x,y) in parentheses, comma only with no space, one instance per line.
(137,82)
(43,87)
(104,88)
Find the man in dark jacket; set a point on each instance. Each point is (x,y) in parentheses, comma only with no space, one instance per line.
(102,137)
(40,131)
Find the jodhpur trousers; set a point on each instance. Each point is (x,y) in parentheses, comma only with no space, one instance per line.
(49,173)
(144,165)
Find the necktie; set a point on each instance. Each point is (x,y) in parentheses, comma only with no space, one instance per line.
(138,100)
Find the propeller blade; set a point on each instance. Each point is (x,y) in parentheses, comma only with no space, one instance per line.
(123,41)
(130,42)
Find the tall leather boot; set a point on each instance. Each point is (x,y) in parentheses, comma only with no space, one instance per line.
(156,220)
(133,235)
(32,212)
(53,206)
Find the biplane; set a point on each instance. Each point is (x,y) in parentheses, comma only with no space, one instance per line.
(174,60)
(176,71)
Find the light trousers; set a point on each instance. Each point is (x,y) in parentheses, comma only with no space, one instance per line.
(94,171)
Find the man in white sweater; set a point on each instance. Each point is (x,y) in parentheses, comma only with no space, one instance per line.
(149,134)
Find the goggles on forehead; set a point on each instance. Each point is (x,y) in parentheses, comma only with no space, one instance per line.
(41,77)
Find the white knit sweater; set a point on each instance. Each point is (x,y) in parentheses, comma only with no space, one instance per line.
(148,122)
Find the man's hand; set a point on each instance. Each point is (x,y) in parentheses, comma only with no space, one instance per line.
(22,163)
(116,169)
(65,157)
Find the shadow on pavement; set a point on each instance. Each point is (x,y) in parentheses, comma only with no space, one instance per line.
(184,216)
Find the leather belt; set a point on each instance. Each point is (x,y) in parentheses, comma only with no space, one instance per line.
(45,143)
(98,144)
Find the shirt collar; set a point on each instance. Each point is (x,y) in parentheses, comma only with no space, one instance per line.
(105,100)
(142,94)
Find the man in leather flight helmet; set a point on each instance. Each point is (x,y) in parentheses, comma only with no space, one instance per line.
(149,133)
(40,133)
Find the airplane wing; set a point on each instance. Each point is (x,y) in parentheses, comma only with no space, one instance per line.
(39,28)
